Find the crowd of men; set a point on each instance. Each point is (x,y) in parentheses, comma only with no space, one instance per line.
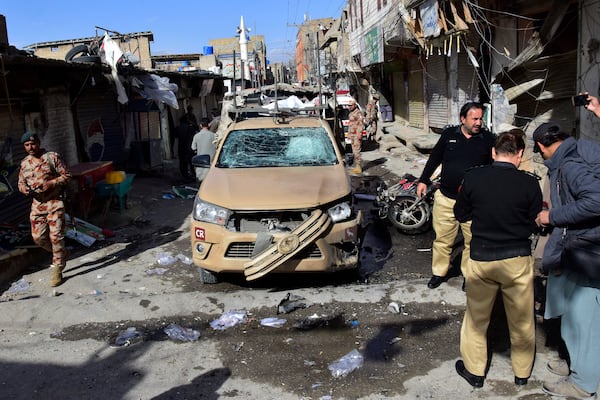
(498,208)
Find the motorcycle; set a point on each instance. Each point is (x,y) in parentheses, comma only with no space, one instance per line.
(400,204)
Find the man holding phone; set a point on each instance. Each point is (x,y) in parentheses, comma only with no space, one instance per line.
(580,100)
(591,104)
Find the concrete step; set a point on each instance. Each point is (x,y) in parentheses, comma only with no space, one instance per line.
(413,138)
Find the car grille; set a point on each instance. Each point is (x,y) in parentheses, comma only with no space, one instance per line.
(240,250)
(244,250)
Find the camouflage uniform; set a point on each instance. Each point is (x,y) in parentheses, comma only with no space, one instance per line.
(47,215)
(356,126)
(372,118)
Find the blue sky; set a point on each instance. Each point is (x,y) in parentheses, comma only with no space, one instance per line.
(178,26)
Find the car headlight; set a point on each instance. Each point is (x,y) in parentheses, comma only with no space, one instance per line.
(208,212)
(340,212)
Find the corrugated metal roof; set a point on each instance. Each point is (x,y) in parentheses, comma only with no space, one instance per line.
(88,39)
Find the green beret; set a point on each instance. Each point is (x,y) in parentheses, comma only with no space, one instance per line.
(27,136)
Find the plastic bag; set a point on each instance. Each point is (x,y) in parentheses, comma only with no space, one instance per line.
(346,364)
(126,337)
(184,259)
(159,89)
(19,286)
(228,320)
(165,259)
(273,322)
(176,332)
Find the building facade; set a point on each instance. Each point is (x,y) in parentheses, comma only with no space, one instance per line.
(426,58)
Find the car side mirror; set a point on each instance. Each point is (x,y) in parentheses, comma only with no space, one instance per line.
(201,161)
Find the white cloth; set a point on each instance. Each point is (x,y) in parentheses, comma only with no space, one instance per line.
(112,54)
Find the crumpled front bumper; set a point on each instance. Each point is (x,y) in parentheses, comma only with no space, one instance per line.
(316,245)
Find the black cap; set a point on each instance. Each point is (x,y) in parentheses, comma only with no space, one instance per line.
(27,136)
(551,128)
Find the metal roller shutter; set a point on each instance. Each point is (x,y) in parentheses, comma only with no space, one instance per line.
(468,83)
(98,111)
(14,207)
(416,108)
(437,91)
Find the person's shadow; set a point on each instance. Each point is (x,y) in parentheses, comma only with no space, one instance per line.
(203,386)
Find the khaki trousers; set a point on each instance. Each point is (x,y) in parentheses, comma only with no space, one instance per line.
(514,278)
(446,227)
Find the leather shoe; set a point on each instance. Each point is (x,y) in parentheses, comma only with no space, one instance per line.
(435,281)
(520,381)
(474,380)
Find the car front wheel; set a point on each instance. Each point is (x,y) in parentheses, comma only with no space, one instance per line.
(208,277)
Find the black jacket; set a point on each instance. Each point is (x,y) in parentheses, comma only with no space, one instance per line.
(503,203)
(456,154)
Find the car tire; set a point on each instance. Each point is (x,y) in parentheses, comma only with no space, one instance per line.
(82,49)
(87,59)
(208,277)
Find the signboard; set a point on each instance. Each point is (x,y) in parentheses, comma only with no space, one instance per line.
(228,70)
(372,43)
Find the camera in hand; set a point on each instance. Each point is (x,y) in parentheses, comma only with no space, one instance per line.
(580,100)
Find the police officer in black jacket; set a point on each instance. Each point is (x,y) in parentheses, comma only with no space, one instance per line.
(502,203)
(458,149)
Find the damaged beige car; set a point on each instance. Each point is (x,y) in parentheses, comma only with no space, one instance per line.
(276,199)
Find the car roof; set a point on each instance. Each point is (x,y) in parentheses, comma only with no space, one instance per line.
(270,122)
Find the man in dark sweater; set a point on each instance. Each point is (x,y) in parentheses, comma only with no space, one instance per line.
(458,149)
(502,203)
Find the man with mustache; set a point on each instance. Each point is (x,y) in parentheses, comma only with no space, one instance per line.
(458,149)
(43,176)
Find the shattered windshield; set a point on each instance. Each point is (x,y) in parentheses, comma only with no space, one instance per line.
(277,147)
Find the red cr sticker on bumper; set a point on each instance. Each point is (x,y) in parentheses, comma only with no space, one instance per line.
(199,233)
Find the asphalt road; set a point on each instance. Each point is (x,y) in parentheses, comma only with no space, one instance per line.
(73,342)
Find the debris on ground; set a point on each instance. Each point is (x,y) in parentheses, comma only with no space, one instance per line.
(348,363)
(319,321)
(184,192)
(19,286)
(165,258)
(184,259)
(290,303)
(82,231)
(156,271)
(177,332)
(128,337)
(273,322)
(229,319)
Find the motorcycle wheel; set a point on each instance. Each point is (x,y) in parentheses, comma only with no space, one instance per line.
(413,222)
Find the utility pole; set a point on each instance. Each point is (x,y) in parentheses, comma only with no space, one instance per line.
(245,71)
(233,81)
(319,67)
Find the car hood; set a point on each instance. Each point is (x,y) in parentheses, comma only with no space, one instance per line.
(274,188)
